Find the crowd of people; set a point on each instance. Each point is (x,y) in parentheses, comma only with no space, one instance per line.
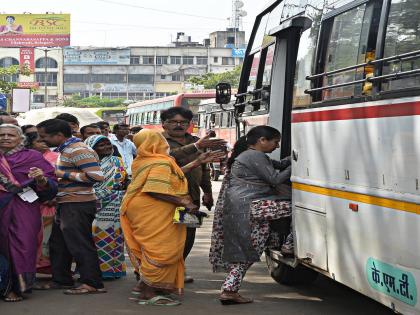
(74,200)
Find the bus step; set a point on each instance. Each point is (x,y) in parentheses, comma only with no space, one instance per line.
(279,257)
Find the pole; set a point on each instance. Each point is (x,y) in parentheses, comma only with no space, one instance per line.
(45,79)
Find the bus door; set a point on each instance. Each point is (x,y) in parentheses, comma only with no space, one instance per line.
(280,62)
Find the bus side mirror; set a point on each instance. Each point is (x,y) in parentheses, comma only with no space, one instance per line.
(223,93)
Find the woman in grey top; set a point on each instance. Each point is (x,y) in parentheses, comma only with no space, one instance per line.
(254,177)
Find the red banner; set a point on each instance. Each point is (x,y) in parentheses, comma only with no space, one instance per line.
(27,58)
(34,40)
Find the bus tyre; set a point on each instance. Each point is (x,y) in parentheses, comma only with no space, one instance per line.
(215,175)
(288,275)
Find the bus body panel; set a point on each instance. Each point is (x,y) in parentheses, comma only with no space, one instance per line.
(356,174)
(355,171)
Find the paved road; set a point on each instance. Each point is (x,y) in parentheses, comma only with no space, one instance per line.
(323,297)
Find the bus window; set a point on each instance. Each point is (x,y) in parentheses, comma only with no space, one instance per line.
(306,55)
(253,75)
(402,36)
(217,119)
(343,51)
(268,66)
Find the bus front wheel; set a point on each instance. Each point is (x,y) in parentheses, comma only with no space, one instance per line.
(288,275)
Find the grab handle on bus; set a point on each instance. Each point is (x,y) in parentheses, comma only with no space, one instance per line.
(295,155)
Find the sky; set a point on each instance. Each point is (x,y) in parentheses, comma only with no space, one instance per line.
(139,22)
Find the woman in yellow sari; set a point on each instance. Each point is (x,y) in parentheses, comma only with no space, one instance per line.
(155,243)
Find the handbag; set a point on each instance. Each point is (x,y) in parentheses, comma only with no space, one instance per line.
(181,216)
(269,210)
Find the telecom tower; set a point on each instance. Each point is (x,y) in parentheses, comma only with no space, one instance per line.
(237,17)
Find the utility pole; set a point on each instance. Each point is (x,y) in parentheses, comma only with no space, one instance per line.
(45,79)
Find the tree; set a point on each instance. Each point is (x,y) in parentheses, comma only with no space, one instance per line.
(210,80)
(92,102)
(6,84)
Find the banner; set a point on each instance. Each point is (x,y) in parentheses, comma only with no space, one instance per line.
(27,58)
(34,30)
(73,56)
(28,85)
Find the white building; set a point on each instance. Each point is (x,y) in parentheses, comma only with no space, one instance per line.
(47,80)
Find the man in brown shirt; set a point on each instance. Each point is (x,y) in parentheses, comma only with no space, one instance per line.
(185,148)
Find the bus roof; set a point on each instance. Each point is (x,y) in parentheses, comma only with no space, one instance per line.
(199,94)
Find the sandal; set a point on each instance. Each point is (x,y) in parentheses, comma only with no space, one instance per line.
(15,298)
(231,298)
(157,301)
(84,290)
(51,286)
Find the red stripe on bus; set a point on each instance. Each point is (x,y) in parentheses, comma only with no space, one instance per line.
(379,111)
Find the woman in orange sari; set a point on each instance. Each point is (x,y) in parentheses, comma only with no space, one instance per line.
(155,243)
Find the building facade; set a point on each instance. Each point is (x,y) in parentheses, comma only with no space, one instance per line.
(47,77)
(138,73)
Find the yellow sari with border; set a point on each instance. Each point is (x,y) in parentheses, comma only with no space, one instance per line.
(155,244)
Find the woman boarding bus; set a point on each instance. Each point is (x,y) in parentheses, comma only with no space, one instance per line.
(341,80)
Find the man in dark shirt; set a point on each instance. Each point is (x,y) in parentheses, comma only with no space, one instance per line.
(185,148)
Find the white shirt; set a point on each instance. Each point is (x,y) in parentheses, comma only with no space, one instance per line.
(127,149)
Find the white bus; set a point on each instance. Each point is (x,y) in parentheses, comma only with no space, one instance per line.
(341,80)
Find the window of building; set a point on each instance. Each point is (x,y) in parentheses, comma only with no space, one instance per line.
(176,60)
(228,61)
(160,94)
(140,78)
(9,78)
(402,36)
(148,60)
(176,77)
(108,78)
(8,62)
(230,40)
(148,95)
(202,60)
(188,60)
(134,60)
(51,63)
(161,60)
(52,98)
(76,78)
(216,59)
(46,80)
(38,98)
(136,96)
(163,77)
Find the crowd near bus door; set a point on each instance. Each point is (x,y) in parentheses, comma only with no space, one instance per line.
(284,63)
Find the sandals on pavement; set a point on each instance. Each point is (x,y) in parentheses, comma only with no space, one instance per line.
(13,299)
(232,298)
(160,300)
(84,290)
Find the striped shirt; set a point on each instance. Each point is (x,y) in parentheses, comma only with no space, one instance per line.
(81,168)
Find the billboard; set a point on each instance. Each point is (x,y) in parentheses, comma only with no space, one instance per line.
(34,30)
(73,56)
(238,52)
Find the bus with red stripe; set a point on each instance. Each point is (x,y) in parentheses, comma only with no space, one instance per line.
(341,81)
(147,113)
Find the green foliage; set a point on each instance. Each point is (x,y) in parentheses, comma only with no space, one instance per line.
(210,80)
(5,73)
(92,102)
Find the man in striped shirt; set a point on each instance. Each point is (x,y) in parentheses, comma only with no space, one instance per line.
(71,238)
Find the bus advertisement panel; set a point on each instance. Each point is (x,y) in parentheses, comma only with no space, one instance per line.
(34,30)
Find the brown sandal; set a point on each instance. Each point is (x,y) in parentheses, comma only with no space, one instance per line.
(84,290)
(230,298)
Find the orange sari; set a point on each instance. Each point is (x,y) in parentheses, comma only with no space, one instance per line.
(155,244)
